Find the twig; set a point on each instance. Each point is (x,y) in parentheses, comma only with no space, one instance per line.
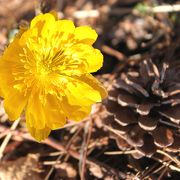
(120,152)
(76,155)
(81,14)
(110,51)
(170,157)
(8,137)
(52,154)
(114,131)
(87,136)
(65,151)
(146,9)
(86,14)
(159,169)
(56,145)
(162,173)
(166,8)
(150,170)
(47,163)
(37,5)
(74,124)
(172,167)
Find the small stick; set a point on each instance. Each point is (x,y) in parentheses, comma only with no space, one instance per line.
(8,137)
(162,173)
(172,167)
(170,157)
(37,5)
(120,152)
(166,8)
(63,150)
(150,170)
(110,51)
(86,14)
(47,163)
(114,131)
(84,147)
(58,146)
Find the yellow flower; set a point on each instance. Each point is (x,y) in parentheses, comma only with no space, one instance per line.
(46,72)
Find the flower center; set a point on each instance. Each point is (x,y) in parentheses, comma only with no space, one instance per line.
(43,69)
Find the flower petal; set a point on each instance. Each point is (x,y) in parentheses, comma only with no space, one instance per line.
(11,53)
(14,104)
(44,23)
(41,26)
(39,134)
(8,82)
(75,112)
(64,29)
(85,34)
(55,117)
(35,115)
(83,58)
(94,83)
(81,94)
(1,92)
(10,64)
(5,78)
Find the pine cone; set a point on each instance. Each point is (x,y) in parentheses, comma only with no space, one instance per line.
(145,107)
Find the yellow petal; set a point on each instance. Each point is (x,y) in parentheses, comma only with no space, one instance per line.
(9,64)
(27,36)
(80,93)
(42,19)
(40,27)
(1,92)
(65,30)
(55,117)
(95,84)
(85,34)
(35,115)
(80,113)
(75,112)
(14,104)
(54,13)
(7,79)
(11,53)
(39,134)
(44,23)
(85,57)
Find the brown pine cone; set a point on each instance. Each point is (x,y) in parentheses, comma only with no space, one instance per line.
(145,107)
